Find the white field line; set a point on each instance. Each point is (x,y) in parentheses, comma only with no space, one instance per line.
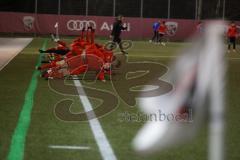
(149,56)
(99,135)
(10,47)
(69,147)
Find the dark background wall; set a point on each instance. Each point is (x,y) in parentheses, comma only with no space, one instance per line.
(180,9)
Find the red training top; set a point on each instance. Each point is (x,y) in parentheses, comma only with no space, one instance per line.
(162,29)
(232,31)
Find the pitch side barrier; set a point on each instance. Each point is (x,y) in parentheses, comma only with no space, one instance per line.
(138,28)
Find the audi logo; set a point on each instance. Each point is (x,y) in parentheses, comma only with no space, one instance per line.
(77,25)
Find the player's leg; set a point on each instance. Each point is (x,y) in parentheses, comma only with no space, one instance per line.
(61,51)
(79,70)
(154,36)
(51,50)
(158,37)
(229,44)
(120,45)
(112,44)
(164,40)
(57,73)
(101,76)
(161,36)
(46,66)
(234,44)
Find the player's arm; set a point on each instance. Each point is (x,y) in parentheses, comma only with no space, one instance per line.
(114,29)
(123,27)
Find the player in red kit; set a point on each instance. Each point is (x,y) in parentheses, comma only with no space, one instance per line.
(232,35)
(162,32)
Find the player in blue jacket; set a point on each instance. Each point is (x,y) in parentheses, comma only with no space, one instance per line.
(155,37)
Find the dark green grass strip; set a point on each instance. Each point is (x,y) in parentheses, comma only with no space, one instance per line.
(16,151)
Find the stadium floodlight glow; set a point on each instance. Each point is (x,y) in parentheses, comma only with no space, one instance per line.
(197,75)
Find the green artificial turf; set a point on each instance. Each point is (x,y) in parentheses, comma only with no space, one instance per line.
(46,129)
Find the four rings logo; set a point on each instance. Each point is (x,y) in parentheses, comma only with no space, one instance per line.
(77,25)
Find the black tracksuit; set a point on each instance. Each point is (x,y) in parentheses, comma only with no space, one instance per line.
(117,30)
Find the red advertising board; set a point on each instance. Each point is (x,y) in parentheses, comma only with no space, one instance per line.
(71,25)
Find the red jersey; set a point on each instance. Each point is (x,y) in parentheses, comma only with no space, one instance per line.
(162,29)
(232,31)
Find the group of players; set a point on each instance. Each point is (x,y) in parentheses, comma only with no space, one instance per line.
(231,34)
(159,31)
(83,55)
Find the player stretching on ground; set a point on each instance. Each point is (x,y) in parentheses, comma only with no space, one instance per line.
(61,49)
(162,32)
(232,35)
(116,32)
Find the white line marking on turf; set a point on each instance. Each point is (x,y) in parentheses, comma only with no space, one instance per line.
(9,49)
(149,56)
(152,56)
(69,147)
(99,135)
